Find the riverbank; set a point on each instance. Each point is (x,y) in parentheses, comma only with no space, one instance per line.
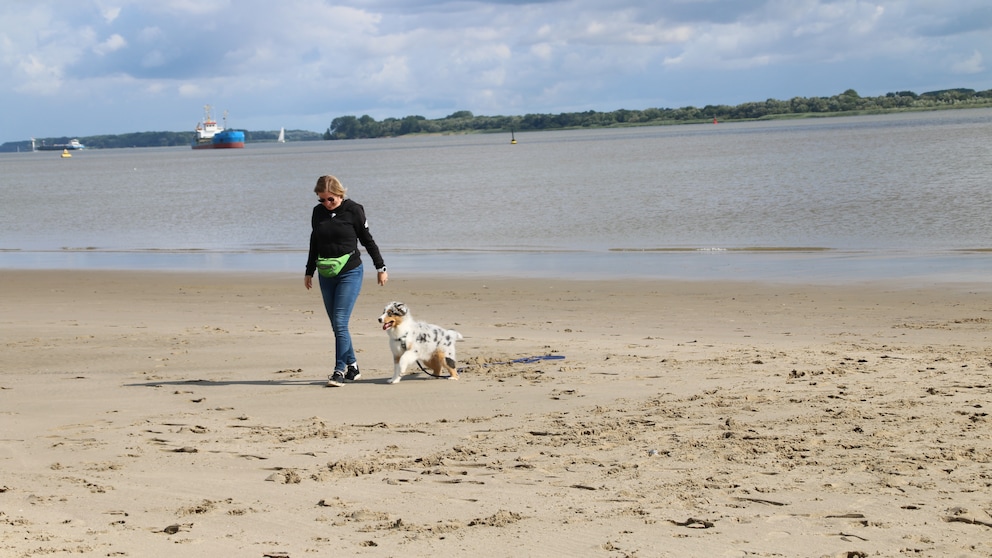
(804,266)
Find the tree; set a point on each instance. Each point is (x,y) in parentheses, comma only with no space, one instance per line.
(344,127)
(411,125)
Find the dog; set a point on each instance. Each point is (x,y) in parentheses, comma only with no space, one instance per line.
(412,341)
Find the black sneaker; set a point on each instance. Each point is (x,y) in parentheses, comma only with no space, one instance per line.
(352,374)
(336,379)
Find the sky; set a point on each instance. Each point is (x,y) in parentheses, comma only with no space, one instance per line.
(91,67)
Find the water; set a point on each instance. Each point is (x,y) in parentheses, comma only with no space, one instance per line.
(854,197)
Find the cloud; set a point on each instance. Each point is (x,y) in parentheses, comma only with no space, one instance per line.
(39,78)
(110,13)
(312,60)
(113,43)
(971,65)
(392,73)
(960,18)
(190,90)
(153,59)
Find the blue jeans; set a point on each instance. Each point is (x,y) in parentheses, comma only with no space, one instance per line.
(340,294)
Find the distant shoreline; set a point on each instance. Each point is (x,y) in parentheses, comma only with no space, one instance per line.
(848,103)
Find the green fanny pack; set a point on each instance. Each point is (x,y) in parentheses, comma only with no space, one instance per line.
(330,267)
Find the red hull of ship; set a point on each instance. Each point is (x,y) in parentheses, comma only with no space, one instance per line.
(220,145)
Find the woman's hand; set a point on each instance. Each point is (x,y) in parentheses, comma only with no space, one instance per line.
(308,282)
(382,277)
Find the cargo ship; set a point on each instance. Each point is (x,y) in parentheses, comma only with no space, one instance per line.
(71,146)
(211,136)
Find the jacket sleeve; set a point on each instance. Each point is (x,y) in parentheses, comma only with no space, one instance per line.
(312,255)
(365,237)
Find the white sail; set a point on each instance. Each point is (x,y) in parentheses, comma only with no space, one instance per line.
(282,135)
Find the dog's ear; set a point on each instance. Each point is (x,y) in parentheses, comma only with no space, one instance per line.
(396,309)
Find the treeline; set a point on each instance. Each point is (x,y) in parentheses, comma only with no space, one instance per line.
(352,127)
(848,102)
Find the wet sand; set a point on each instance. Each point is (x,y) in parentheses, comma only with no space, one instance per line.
(157,414)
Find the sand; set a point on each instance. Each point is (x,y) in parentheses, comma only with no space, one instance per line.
(165,414)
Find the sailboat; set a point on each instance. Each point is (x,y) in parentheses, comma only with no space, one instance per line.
(282,135)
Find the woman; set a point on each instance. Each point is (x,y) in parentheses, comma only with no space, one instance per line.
(339,224)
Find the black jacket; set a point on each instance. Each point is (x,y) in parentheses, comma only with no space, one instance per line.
(337,232)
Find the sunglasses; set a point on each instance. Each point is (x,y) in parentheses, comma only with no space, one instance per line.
(325,200)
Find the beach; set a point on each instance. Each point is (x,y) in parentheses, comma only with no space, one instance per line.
(154,414)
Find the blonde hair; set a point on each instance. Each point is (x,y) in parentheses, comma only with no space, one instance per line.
(330,184)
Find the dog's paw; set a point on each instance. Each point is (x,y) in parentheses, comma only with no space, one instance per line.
(394,381)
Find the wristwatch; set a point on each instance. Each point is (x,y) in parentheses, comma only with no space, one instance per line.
(382,269)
